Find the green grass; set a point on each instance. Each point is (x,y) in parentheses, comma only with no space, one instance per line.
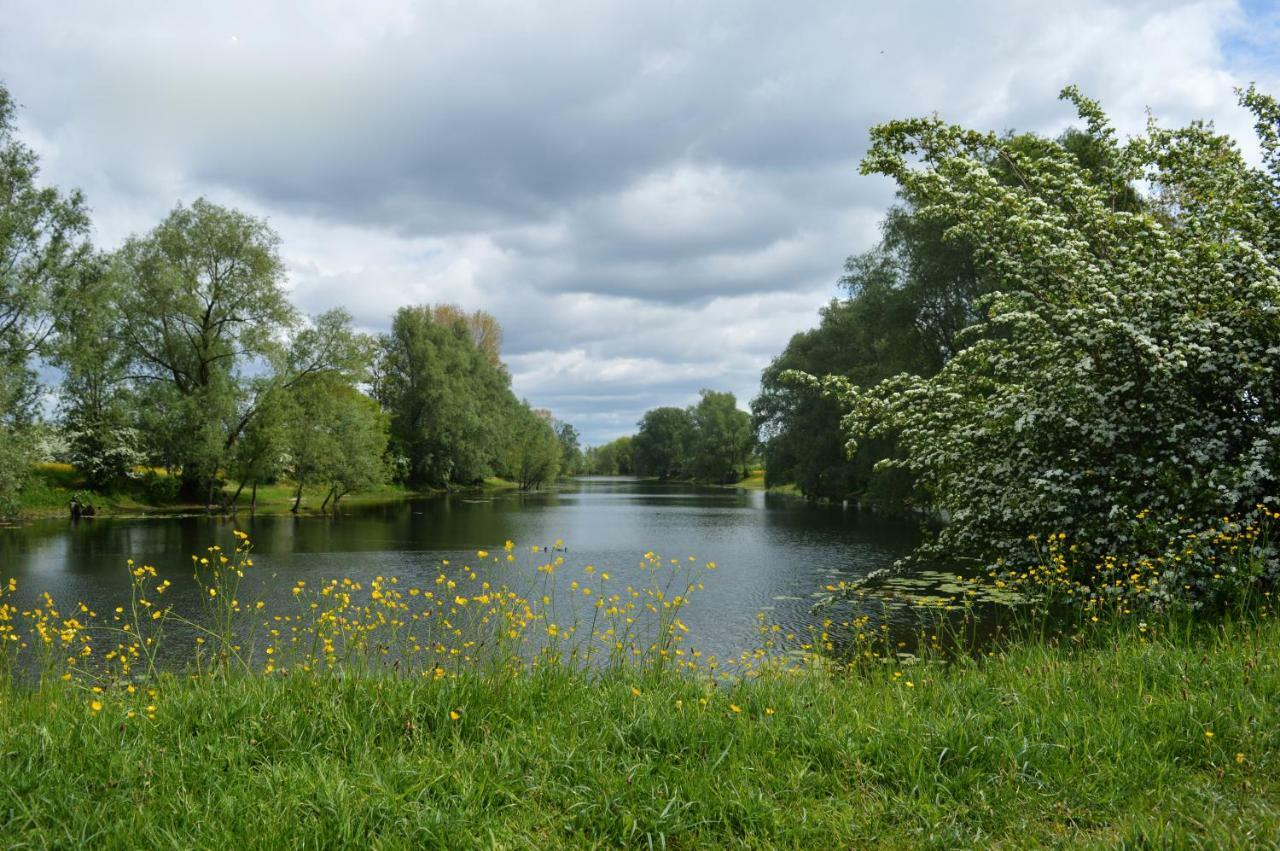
(277,498)
(755,482)
(1042,746)
(51,486)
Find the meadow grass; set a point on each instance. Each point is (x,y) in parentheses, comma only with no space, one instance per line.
(1164,737)
(50,488)
(571,712)
(755,482)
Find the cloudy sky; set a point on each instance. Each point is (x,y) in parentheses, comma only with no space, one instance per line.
(651,197)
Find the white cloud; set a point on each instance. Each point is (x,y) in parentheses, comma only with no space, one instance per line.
(651,197)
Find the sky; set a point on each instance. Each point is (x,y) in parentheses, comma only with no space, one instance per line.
(651,197)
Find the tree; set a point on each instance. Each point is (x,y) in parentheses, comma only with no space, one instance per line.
(261,452)
(361,432)
(906,304)
(570,449)
(611,459)
(1120,385)
(104,443)
(532,453)
(335,437)
(43,247)
(865,338)
(200,296)
(201,301)
(722,438)
(450,406)
(661,447)
(482,327)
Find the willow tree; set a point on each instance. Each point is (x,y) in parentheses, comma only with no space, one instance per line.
(43,248)
(211,335)
(450,403)
(663,445)
(335,437)
(202,296)
(722,438)
(531,454)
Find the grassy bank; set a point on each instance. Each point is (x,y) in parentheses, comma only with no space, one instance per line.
(51,486)
(1145,738)
(755,482)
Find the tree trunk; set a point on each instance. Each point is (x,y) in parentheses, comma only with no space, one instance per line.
(234,499)
(328,497)
(297,498)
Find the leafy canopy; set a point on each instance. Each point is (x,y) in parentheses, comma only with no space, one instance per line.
(44,246)
(1121,380)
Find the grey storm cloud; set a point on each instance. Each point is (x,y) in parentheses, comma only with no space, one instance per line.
(652,197)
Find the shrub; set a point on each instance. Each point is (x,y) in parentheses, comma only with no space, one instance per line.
(1122,386)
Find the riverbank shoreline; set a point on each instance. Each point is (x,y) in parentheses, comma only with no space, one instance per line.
(52,487)
(1167,739)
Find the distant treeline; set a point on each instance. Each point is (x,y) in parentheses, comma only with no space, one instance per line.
(181,354)
(710,441)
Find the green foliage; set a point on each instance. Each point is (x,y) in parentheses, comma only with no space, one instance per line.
(96,405)
(360,427)
(195,303)
(335,436)
(571,458)
(907,303)
(710,441)
(260,455)
(610,459)
(1122,373)
(43,247)
(158,488)
(662,445)
(722,438)
(199,296)
(533,450)
(15,467)
(451,406)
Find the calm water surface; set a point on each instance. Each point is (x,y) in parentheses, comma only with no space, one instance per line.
(774,554)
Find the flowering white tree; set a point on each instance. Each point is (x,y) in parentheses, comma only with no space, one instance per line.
(1123,384)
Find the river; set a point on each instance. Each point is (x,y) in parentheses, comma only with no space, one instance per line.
(774,554)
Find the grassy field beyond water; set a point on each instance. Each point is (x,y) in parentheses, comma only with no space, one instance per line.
(1149,736)
(51,487)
